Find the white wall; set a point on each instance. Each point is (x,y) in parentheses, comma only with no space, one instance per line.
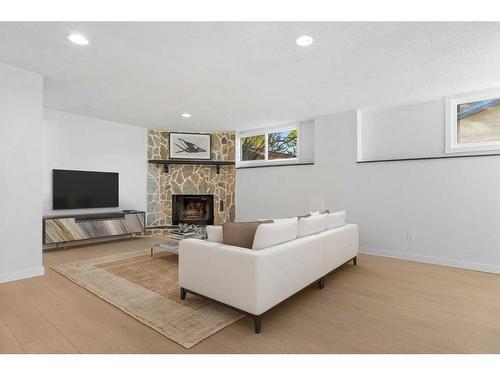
(306,139)
(84,143)
(403,132)
(453,206)
(20,173)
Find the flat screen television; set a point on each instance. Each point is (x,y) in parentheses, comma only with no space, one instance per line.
(83,189)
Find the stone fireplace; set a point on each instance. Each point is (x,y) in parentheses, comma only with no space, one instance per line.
(192,209)
(190,180)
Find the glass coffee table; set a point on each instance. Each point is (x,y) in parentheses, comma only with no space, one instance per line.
(173,247)
(172,244)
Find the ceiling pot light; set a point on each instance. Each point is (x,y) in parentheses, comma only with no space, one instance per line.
(186,115)
(78,39)
(304,40)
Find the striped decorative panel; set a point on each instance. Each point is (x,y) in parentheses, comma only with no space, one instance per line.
(66,229)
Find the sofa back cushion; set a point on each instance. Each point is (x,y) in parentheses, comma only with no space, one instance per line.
(271,234)
(214,233)
(311,225)
(285,220)
(314,213)
(240,234)
(335,219)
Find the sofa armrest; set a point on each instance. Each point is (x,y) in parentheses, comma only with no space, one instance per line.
(341,244)
(221,272)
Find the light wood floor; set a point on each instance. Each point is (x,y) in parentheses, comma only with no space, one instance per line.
(381,306)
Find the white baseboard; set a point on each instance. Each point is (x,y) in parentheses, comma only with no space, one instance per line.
(21,274)
(433,260)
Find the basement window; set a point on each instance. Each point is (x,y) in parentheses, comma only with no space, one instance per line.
(269,146)
(253,147)
(473,123)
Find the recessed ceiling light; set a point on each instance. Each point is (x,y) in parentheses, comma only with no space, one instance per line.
(186,115)
(304,40)
(78,39)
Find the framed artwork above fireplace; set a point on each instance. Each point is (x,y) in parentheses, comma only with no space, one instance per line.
(190,146)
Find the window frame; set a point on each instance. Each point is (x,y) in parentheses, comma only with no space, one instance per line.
(452,145)
(266,132)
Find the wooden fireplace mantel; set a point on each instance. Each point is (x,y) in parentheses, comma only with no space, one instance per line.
(167,163)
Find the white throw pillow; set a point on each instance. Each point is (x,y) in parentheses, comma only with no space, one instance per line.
(311,225)
(214,233)
(335,219)
(271,234)
(313,213)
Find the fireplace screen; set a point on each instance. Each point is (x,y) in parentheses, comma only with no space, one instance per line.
(192,209)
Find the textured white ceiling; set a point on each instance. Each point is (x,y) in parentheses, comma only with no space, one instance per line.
(245,75)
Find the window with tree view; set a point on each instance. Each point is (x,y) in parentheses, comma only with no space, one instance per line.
(253,148)
(280,144)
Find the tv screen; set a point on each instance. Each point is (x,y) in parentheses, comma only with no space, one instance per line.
(83,189)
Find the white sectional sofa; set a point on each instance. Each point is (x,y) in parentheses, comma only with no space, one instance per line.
(254,281)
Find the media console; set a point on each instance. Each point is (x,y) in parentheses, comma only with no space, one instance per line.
(69,228)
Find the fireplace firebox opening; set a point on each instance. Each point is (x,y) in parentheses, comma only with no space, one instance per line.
(192,209)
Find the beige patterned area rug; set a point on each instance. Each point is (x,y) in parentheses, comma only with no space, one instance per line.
(147,289)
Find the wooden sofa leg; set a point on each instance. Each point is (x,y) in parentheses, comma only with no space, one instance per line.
(257,320)
(183,293)
(355,260)
(321,283)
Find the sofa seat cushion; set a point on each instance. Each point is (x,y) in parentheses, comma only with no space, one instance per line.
(240,234)
(335,219)
(311,225)
(271,234)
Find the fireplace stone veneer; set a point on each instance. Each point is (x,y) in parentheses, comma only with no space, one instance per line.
(190,180)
